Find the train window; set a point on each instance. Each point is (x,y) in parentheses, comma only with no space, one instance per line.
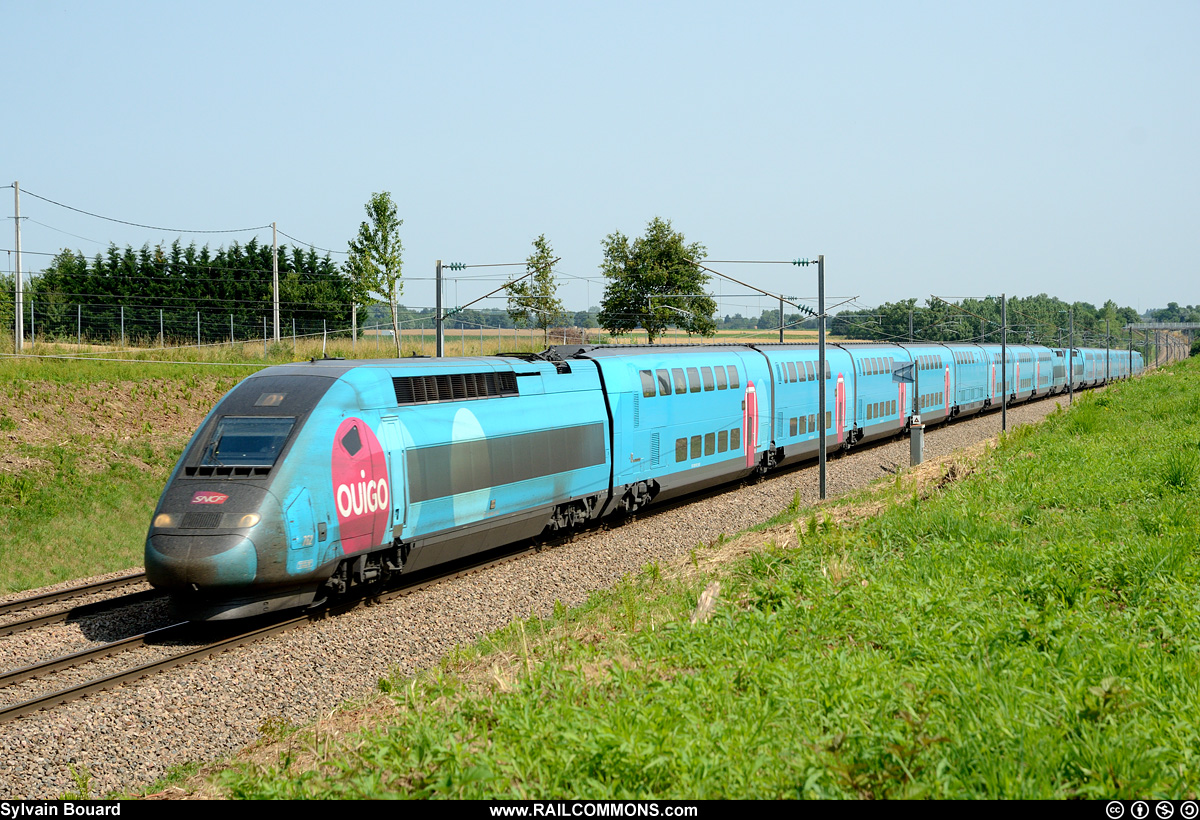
(870,412)
(791,371)
(706,373)
(257,441)
(891,364)
(734,381)
(648,390)
(812,422)
(693,379)
(680,449)
(710,443)
(809,371)
(696,446)
(828,420)
(895,407)
(794,426)
(680,380)
(664,382)
(828,374)
(735,439)
(722,441)
(803,425)
(719,372)
(779,372)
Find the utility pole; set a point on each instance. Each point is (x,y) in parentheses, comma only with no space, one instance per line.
(910,335)
(19,320)
(440,342)
(781,318)
(1071,359)
(1107,347)
(275,276)
(1003,362)
(821,360)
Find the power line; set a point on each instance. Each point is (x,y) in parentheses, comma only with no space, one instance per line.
(311,245)
(140,225)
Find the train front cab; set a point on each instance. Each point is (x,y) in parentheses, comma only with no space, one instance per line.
(219,538)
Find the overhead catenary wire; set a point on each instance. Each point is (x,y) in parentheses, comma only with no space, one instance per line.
(141,225)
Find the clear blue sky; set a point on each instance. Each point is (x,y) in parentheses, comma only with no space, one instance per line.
(957,149)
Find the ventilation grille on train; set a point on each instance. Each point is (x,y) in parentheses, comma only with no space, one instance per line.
(453,387)
(226,472)
(201,520)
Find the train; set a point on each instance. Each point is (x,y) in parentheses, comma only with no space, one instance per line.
(311,479)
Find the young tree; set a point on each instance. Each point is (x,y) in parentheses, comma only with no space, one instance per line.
(375,260)
(532,300)
(654,283)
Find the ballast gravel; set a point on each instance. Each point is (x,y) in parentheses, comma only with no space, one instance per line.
(128,737)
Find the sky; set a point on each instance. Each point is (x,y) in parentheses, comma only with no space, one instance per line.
(925,148)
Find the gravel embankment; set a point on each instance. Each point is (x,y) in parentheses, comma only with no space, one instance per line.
(208,710)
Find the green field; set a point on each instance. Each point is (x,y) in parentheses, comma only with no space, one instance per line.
(1028,631)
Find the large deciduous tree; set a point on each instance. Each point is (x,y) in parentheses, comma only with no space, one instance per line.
(532,301)
(654,282)
(376,260)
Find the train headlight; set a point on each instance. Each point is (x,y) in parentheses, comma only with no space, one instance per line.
(166,521)
(249,520)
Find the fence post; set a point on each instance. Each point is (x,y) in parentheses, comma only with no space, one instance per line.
(197,330)
(79,326)
(293,336)
(32,326)
(162,339)
(231,331)
(264,338)
(122,326)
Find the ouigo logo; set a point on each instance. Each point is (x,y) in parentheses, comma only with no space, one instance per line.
(208,497)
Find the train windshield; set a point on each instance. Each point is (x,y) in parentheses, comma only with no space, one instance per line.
(247,441)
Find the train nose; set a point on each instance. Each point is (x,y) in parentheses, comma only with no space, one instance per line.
(179,561)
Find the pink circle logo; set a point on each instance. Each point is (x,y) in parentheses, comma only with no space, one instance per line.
(360,486)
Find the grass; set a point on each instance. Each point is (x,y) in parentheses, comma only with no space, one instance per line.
(69,522)
(1029,631)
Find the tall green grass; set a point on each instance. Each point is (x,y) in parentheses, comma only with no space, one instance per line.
(68,520)
(1032,631)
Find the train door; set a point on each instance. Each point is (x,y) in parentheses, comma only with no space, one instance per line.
(301,532)
(361,488)
(392,439)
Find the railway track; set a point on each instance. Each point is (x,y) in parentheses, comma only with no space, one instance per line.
(38,602)
(200,642)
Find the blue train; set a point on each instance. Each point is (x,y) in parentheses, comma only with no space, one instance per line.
(309,479)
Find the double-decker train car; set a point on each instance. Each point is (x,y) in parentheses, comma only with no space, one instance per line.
(309,479)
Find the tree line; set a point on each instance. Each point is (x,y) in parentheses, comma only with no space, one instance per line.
(75,294)
(1040,319)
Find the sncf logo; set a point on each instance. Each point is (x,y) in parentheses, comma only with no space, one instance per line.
(204,497)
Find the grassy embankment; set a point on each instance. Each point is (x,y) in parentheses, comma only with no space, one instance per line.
(1029,631)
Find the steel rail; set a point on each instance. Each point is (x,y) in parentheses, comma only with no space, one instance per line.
(79,611)
(73,592)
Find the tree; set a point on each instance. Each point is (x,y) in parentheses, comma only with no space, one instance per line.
(375,260)
(532,301)
(654,283)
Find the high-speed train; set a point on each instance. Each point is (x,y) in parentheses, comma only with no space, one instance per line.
(309,479)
